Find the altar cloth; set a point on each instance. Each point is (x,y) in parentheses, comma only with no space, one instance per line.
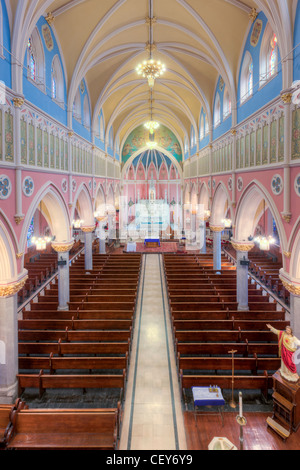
(204,397)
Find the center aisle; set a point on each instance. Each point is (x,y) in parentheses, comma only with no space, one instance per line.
(153,418)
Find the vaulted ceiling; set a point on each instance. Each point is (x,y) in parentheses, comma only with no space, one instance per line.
(104,40)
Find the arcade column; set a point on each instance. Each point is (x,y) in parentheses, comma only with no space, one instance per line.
(9,339)
(242,271)
(217,248)
(88,246)
(63,249)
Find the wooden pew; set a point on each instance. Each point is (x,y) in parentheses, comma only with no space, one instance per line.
(262,382)
(44,382)
(61,348)
(68,429)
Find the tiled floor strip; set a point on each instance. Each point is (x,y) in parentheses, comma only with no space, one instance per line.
(152,413)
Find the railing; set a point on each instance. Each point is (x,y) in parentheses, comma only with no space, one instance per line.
(45,284)
(263,286)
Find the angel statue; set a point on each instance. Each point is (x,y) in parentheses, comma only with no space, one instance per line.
(287,344)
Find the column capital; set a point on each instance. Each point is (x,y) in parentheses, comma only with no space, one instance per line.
(62,247)
(286,96)
(11,288)
(290,284)
(242,245)
(216,228)
(88,228)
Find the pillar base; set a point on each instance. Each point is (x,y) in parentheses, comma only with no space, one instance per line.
(8,395)
(243,308)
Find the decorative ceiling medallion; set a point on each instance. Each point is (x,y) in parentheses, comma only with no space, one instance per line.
(277,185)
(28,186)
(5,187)
(230,184)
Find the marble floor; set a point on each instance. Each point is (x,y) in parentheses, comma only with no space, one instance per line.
(153,414)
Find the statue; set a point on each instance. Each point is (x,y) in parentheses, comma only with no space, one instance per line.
(287,344)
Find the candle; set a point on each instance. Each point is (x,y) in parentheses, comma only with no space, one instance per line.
(241,404)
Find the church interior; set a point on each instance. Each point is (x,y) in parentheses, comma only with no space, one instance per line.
(149,225)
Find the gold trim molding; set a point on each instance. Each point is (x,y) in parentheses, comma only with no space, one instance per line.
(242,246)
(287,254)
(11,289)
(19,255)
(61,247)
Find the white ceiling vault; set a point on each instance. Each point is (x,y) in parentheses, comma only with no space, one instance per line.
(103,41)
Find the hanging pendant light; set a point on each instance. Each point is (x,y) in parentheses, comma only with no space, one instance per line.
(151,69)
(151,125)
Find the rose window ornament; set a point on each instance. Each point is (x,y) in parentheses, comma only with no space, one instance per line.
(277,184)
(5,187)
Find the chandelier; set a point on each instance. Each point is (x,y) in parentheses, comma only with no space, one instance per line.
(264,241)
(40,242)
(77,223)
(151,69)
(227,223)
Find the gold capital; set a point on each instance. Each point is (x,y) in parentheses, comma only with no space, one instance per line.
(287,98)
(62,247)
(292,288)
(18,102)
(216,228)
(49,18)
(8,290)
(88,229)
(253,15)
(19,219)
(242,246)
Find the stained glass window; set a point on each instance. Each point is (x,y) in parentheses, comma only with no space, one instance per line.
(250,79)
(54,87)
(273,56)
(30,232)
(31,61)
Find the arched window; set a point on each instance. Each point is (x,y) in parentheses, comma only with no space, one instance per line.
(57,81)
(36,60)
(217,111)
(86,113)
(31,61)
(226,104)
(202,119)
(246,84)
(101,128)
(77,106)
(269,55)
